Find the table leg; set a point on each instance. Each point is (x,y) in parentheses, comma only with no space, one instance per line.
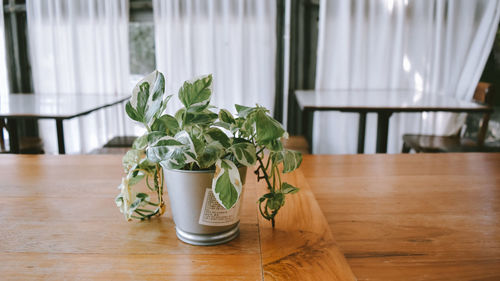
(307,127)
(361,132)
(13,135)
(60,136)
(382,131)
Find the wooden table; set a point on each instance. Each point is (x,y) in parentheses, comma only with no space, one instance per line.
(382,102)
(412,217)
(396,217)
(59,221)
(58,107)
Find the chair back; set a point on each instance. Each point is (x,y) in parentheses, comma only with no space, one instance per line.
(484,95)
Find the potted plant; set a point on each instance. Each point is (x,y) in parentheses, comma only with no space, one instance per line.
(202,154)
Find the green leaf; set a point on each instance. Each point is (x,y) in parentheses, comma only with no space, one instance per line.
(131,158)
(274,145)
(215,134)
(132,113)
(291,159)
(226,184)
(141,142)
(198,143)
(287,188)
(276,201)
(202,117)
(172,152)
(245,153)
(146,101)
(142,196)
(268,129)
(133,180)
(154,137)
(224,125)
(226,116)
(243,111)
(167,124)
(179,116)
(196,94)
(210,154)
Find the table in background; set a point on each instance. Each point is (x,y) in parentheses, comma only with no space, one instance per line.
(57,107)
(412,216)
(382,102)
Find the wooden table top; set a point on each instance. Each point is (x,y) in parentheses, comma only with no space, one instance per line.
(412,217)
(396,217)
(36,106)
(59,221)
(383,100)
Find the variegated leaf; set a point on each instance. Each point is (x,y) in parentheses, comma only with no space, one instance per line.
(226,184)
(195,94)
(244,152)
(147,98)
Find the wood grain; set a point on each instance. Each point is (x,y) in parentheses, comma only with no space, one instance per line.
(301,246)
(59,221)
(412,217)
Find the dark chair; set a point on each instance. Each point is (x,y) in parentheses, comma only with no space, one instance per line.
(457,142)
(2,140)
(122,141)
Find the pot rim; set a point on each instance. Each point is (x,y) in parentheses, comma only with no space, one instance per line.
(190,171)
(196,171)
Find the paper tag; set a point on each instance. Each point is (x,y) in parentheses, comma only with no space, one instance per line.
(213,214)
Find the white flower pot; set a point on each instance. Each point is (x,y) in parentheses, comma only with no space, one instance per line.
(199,219)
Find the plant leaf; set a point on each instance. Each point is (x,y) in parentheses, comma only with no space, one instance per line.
(244,152)
(141,142)
(226,184)
(196,94)
(167,124)
(243,111)
(215,134)
(268,129)
(131,158)
(146,101)
(202,117)
(226,116)
(210,154)
(291,159)
(276,201)
(287,188)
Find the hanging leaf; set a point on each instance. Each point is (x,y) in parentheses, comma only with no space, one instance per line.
(131,158)
(291,159)
(226,184)
(287,188)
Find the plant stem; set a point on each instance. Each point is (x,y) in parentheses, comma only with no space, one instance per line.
(266,176)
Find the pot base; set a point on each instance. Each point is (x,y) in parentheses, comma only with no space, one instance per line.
(208,239)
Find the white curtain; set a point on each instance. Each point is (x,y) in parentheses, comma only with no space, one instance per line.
(434,46)
(80,47)
(235,40)
(4,86)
